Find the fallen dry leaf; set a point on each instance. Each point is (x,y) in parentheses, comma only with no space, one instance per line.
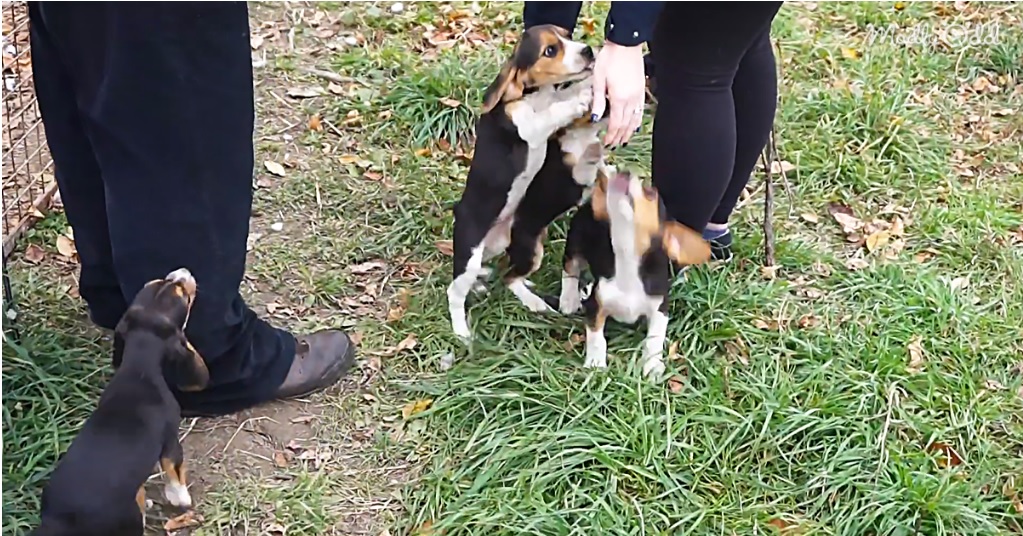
(281,458)
(446,247)
(367,267)
(255,41)
(335,89)
(373,176)
(415,407)
(959,283)
(898,227)
(426,529)
(877,240)
(274,167)
(348,159)
(450,102)
(783,166)
(856,263)
(782,525)
(183,521)
(395,313)
(767,325)
(315,123)
(850,53)
(425,151)
(993,385)
(408,343)
(675,384)
(924,256)
(850,224)
(809,217)
(34,254)
(66,246)
(948,457)
(304,92)
(808,321)
(304,419)
(916,355)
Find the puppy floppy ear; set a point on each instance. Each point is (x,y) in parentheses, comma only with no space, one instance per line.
(684,245)
(183,366)
(507,86)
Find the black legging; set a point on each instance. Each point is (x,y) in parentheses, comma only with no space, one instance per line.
(716,100)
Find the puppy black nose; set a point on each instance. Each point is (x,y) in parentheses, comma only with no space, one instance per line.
(588,53)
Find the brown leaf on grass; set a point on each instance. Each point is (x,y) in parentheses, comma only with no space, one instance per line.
(367,267)
(877,240)
(444,145)
(947,456)
(447,101)
(425,151)
(408,343)
(993,385)
(675,384)
(315,124)
(34,254)
(336,89)
(783,166)
(589,25)
(808,321)
(924,256)
(809,217)
(446,247)
(766,325)
(415,407)
(186,520)
(785,527)
(850,224)
(274,167)
(66,247)
(916,355)
(850,53)
(856,263)
(281,458)
(255,41)
(426,529)
(395,313)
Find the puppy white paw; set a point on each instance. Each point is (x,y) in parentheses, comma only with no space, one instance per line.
(595,360)
(536,304)
(480,288)
(653,369)
(177,494)
(462,331)
(569,302)
(596,350)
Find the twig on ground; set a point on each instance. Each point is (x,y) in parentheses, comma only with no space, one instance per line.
(329,76)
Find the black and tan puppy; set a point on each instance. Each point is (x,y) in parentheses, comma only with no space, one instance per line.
(627,241)
(97,487)
(535,154)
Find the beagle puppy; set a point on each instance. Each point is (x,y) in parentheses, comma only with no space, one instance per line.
(97,486)
(536,155)
(628,243)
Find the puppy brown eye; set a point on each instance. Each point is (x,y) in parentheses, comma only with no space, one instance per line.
(550,51)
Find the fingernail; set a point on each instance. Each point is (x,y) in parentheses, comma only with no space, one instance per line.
(593,118)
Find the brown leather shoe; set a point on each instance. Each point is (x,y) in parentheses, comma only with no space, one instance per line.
(320,360)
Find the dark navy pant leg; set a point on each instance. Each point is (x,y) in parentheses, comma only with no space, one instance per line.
(77,172)
(165,91)
(563,14)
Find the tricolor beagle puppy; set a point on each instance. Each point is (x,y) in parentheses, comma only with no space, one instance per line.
(625,238)
(97,487)
(536,155)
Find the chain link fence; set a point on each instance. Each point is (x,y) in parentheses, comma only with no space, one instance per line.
(28,184)
(27,179)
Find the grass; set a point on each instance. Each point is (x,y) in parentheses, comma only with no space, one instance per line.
(827,400)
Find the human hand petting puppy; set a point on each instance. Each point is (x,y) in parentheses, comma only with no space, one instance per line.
(619,80)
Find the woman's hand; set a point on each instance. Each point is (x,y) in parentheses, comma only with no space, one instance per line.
(619,72)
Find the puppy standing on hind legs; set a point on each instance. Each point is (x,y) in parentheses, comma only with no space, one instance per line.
(624,237)
(97,488)
(523,108)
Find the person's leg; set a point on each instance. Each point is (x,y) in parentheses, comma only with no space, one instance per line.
(699,50)
(77,173)
(755,94)
(563,14)
(166,91)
